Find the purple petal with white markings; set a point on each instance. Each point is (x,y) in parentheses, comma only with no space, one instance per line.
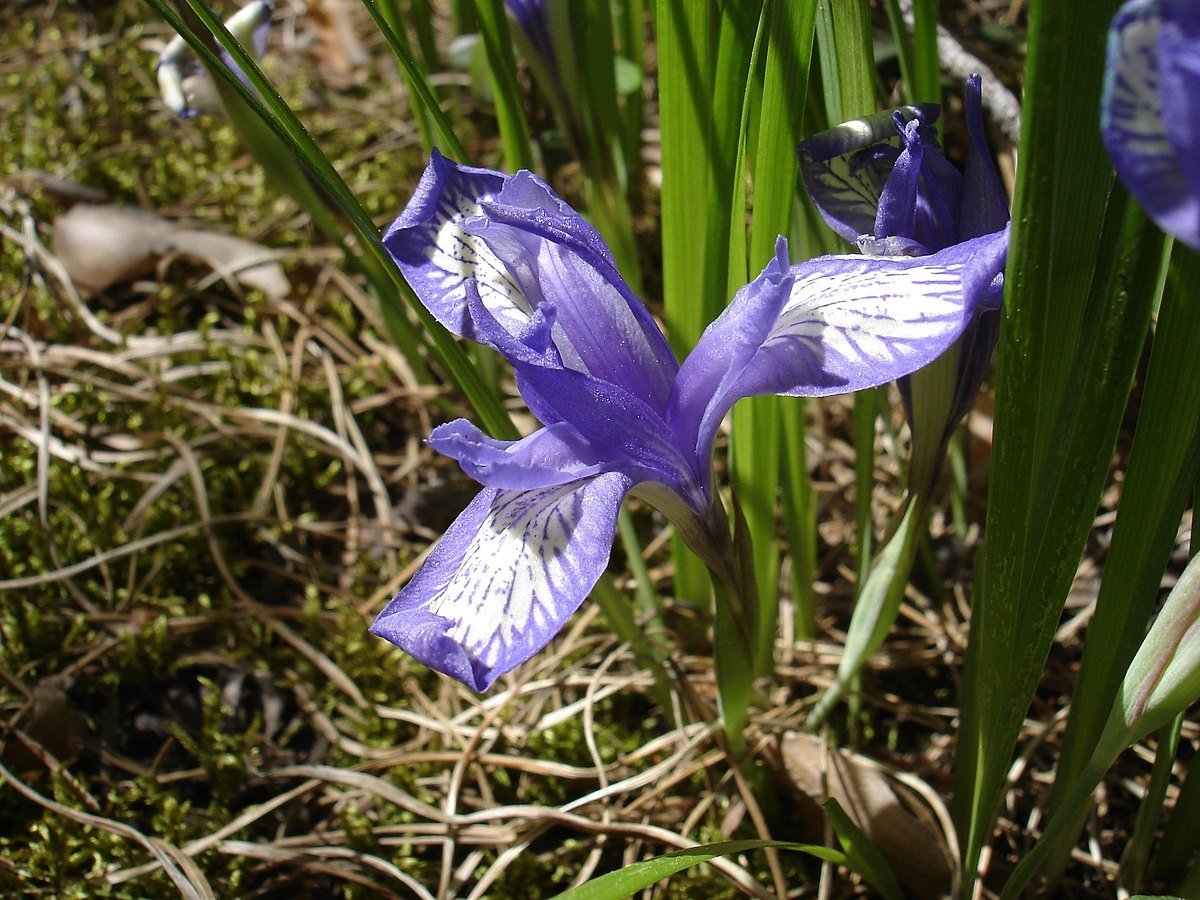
(437,256)
(524,247)
(852,322)
(1179,71)
(505,578)
(552,455)
(1133,124)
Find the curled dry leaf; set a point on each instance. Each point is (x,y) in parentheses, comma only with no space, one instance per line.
(906,833)
(105,245)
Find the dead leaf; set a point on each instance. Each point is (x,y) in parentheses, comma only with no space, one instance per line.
(105,245)
(338,50)
(52,724)
(906,834)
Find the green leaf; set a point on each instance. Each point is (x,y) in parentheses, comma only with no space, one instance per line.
(862,856)
(510,112)
(422,96)
(1180,836)
(1070,337)
(875,607)
(1159,479)
(282,121)
(639,875)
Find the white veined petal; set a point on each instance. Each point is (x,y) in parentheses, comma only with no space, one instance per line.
(871,317)
(509,572)
(1133,110)
(461,255)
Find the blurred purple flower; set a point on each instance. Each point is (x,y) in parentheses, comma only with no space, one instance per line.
(532,17)
(500,259)
(883,183)
(183,82)
(1154,60)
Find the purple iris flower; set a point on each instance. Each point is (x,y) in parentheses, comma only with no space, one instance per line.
(186,87)
(883,183)
(1153,59)
(501,260)
(532,18)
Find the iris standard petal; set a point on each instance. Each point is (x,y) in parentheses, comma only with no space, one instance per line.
(505,578)
(1132,121)
(552,455)
(983,204)
(618,426)
(846,168)
(698,402)
(524,247)
(853,322)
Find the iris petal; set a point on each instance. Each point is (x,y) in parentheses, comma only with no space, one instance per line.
(552,455)
(505,577)
(837,324)
(1133,125)
(524,247)
(846,168)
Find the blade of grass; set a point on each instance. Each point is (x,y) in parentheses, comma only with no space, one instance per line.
(603,150)
(633,878)
(686,35)
(402,49)
(799,516)
(1050,456)
(421,16)
(1180,835)
(702,63)
(510,113)
(283,122)
(757,429)
(1145,826)
(863,856)
(754,448)
(926,70)
(1159,479)
(417,85)
(848,72)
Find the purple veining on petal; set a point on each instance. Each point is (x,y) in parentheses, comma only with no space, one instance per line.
(853,322)
(505,577)
(524,247)
(846,168)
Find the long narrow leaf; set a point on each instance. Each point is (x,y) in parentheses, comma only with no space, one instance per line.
(1050,456)
(863,856)
(627,881)
(514,129)
(284,123)
(1159,479)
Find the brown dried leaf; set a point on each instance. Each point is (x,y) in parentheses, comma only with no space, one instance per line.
(908,837)
(104,245)
(338,50)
